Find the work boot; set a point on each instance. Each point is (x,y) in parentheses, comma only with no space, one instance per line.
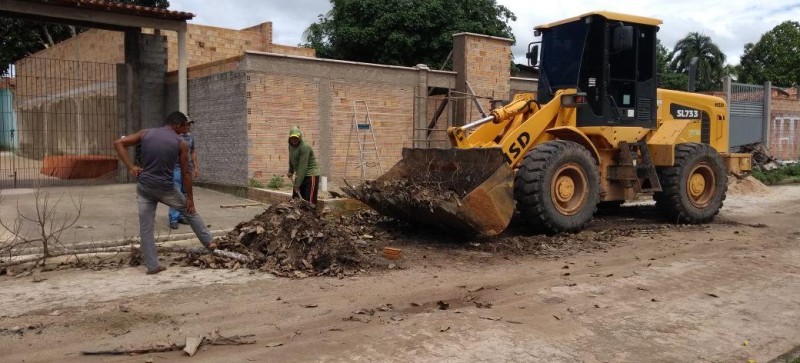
(156,270)
(173,225)
(182,220)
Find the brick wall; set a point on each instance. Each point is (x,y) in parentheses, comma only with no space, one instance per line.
(208,69)
(289,50)
(205,44)
(94,45)
(391,110)
(484,62)
(784,128)
(317,96)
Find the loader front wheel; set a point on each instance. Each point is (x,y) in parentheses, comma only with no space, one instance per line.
(557,187)
(694,188)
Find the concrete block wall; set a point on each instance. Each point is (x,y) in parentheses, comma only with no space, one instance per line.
(218,105)
(522,85)
(151,75)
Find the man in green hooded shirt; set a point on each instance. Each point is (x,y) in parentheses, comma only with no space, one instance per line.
(303,165)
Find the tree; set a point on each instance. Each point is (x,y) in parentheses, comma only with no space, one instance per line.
(775,57)
(403,32)
(21,38)
(710,63)
(668,78)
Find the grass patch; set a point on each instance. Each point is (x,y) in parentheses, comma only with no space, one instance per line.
(784,175)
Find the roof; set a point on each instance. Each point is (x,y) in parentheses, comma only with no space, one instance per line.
(114,7)
(608,15)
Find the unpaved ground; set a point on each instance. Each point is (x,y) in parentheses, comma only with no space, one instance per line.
(630,289)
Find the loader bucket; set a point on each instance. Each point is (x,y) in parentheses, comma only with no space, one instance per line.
(469,190)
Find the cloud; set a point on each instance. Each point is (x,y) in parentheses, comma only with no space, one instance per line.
(730,24)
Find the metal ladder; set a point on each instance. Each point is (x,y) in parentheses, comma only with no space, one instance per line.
(365,136)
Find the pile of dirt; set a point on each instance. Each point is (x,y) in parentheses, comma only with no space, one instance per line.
(293,239)
(746,186)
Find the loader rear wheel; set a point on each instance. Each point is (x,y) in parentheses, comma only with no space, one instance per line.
(557,187)
(694,188)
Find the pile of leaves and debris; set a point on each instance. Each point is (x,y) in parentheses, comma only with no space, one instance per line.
(406,193)
(293,239)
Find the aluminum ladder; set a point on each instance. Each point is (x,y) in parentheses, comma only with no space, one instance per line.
(364,132)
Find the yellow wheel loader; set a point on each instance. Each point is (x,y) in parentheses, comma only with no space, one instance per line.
(598,130)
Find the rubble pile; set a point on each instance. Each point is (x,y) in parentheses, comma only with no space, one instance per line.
(405,192)
(293,239)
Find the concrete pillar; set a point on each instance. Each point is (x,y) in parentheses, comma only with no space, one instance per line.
(726,88)
(325,126)
(421,107)
(767,114)
(132,62)
(183,63)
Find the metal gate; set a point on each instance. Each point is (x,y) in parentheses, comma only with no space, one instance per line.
(58,124)
(747,109)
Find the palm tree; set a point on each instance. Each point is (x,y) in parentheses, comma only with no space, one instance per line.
(710,63)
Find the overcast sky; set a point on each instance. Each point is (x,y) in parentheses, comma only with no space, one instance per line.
(730,23)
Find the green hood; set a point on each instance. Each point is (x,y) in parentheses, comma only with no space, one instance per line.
(295,131)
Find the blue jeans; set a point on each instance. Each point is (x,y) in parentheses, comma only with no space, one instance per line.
(174,215)
(148,200)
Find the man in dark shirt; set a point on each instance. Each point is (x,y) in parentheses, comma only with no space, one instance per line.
(161,147)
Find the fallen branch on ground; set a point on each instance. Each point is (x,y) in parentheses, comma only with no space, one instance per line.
(218,339)
(20,260)
(241,205)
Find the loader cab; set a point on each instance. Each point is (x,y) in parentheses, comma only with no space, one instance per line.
(612,58)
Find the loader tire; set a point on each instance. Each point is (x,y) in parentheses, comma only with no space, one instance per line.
(694,188)
(557,187)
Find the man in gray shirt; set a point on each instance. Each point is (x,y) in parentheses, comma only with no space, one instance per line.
(161,147)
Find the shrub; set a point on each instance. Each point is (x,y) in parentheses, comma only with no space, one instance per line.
(784,174)
(255,183)
(276,182)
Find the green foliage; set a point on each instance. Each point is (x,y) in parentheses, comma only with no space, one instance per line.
(276,182)
(403,32)
(710,64)
(782,175)
(255,183)
(21,38)
(775,57)
(160,4)
(668,78)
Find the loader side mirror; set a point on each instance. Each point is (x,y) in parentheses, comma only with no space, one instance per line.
(622,39)
(532,55)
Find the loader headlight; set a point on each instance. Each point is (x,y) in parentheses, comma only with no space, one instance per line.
(573,100)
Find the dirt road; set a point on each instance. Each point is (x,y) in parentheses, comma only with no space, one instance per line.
(725,292)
